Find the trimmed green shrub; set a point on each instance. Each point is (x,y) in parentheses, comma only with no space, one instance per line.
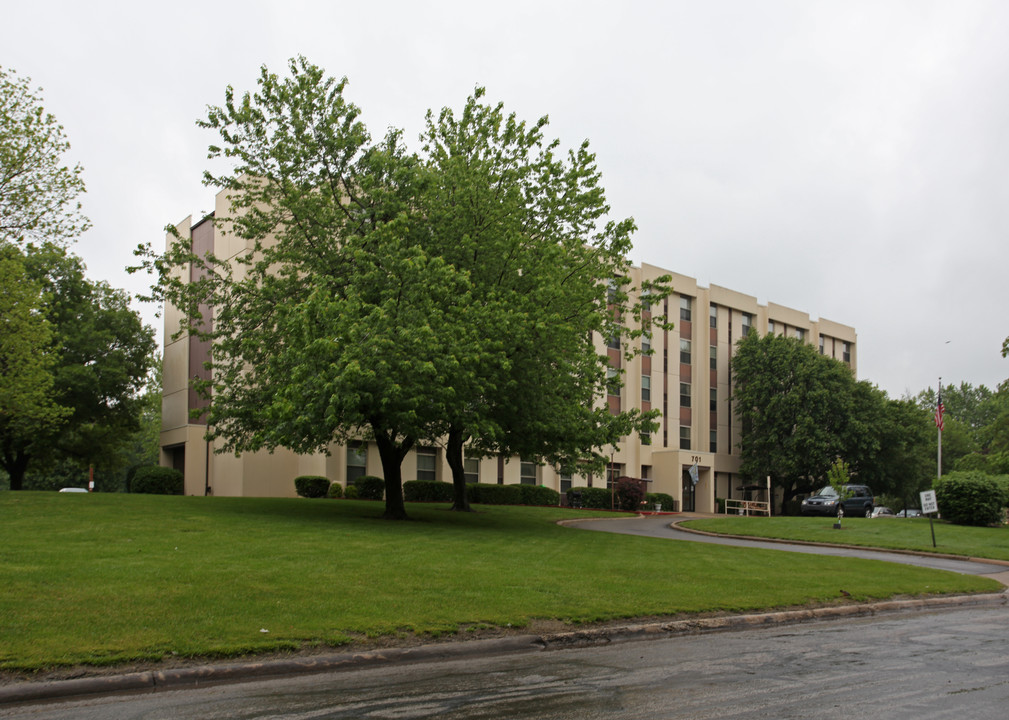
(311,486)
(488,494)
(155,480)
(1003,483)
(629,494)
(335,491)
(969,498)
(539,495)
(427,491)
(666,501)
(370,487)
(350,492)
(593,497)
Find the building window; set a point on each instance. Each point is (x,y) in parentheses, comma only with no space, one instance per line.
(821,344)
(646,388)
(427,461)
(684,437)
(646,437)
(713,352)
(770,327)
(471,470)
(747,323)
(684,394)
(685,352)
(357,461)
(646,301)
(565,482)
(713,316)
(611,291)
(800,334)
(614,342)
(646,344)
(846,352)
(714,400)
(684,308)
(713,443)
(613,382)
(614,471)
(527,473)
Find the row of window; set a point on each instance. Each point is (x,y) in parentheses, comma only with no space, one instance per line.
(427,457)
(427,464)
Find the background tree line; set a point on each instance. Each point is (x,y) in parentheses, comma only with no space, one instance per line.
(801,411)
(76,383)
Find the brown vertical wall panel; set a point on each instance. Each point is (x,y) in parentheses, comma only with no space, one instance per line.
(199,350)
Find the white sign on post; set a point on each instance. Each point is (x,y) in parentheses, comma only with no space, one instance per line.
(928,503)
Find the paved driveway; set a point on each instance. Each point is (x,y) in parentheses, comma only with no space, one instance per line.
(661,526)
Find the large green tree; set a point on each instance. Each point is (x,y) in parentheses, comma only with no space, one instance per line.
(38,191)
(28,357)
(98,359)
(398,295)
(338,322)
(527,224)
(797,409)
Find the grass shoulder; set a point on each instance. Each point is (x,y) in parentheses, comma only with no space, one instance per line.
(888,533)
(106,580)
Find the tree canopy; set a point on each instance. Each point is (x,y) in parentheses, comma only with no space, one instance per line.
(89,366)
(38,192)
(452,292)
(976,427)
(28,355)
(527,225)
(802,413)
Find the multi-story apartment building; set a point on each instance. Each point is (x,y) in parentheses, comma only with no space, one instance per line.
(687,377)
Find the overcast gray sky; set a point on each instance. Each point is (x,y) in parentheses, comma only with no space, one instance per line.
(845,158)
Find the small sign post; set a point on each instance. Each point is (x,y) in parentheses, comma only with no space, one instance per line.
(929,506)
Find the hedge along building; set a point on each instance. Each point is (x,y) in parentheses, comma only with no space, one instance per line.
(687,378)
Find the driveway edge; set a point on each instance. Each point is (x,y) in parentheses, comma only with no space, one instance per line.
(678,524)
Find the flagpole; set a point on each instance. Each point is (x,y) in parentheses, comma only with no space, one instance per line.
(938,430)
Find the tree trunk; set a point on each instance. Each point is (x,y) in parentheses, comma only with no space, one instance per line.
(15,465)
(454,455)
(392,454)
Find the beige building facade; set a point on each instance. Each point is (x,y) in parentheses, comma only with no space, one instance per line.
(687,378)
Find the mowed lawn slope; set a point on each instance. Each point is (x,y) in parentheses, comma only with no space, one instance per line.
(105,579)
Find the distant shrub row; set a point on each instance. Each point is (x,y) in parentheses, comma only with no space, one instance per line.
(601,498)
(481,493)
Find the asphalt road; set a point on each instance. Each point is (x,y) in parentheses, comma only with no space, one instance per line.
(951,664)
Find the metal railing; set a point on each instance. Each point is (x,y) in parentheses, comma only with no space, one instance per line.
(747,507)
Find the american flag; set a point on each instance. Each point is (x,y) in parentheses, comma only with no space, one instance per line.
(939,410)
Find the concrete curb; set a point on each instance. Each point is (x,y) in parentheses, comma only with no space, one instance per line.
(154,681)
(245,671)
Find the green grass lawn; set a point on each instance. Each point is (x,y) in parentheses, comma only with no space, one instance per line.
(105,579)
(897,533)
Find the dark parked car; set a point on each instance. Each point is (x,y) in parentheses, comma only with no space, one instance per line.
(825,502)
